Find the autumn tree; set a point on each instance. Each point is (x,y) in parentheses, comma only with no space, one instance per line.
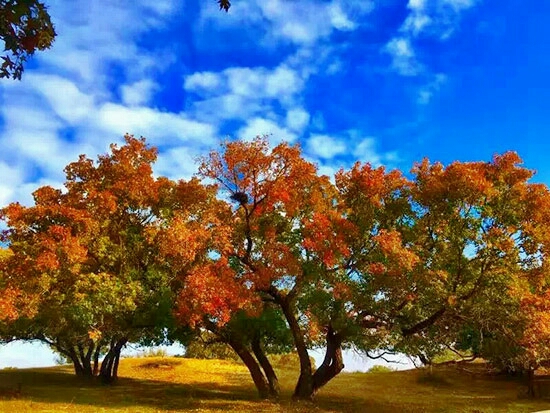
(89,256)
(376,261)
(479,231)
(290,247)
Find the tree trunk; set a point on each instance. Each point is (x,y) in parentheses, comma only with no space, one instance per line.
(333,362)
(109,365)
(72,352)
(273,381)
(86,358)
(257,376)
(95,370)
(304,387)
(78,369)
(531,383)
(79,363)
(115,366)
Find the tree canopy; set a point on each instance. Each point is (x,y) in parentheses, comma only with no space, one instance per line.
(267,255)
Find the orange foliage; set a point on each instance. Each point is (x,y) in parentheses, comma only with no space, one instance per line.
(213,291)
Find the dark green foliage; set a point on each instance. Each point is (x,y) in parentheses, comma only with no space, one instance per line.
(25,26)
(206,346)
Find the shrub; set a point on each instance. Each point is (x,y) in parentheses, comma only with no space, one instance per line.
(380,369)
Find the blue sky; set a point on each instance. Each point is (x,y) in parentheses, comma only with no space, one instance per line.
(381,81)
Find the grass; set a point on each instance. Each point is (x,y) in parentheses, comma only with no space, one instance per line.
(164,384)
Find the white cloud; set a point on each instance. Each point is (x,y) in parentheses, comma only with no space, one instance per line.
(138,93)
(225,107)
(49,122)
(202,81)
(416,22)
(459,5)
(403,56)
(158,127)
(339,18)
(426,93)
(246,81)
(64,97)
(297,119)
(329,169)
(283,82)
(261,126)
(10,178)
(325,147)
(89,42)
(300,22)
(243,92)
(178,163)
(416,4)
(280,82)
(437,18)
(365,151)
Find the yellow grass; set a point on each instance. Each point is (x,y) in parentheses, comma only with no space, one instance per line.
(172,385)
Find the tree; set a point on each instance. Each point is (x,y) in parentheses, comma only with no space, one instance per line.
(277,194)
(375,261)
(88,257)
(480,232)
(224,4)
(25,27)
(9,297)
(252,338)
(292,245)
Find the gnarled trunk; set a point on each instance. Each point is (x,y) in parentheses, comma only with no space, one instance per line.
(80,360)
(304,387)
(333,362)
(97,352)
(531,392)
(253,367)
(309,383)
(109,366)
(273,381)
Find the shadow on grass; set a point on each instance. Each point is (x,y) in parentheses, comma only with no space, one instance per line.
(348,393)
(58,386)
(129,394)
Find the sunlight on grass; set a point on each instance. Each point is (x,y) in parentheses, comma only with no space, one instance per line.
(166,384)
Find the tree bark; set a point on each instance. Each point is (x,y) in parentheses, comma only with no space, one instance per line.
(95,371)
(86,358)
(79,363)
(333,362)
(304,386)
(109,366)
(253,367)
(273,381)
(74,353)
(78,370)
(531,383)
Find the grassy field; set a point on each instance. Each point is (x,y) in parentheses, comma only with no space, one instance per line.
(174,384)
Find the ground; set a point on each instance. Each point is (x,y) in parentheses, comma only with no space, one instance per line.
(164,385)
